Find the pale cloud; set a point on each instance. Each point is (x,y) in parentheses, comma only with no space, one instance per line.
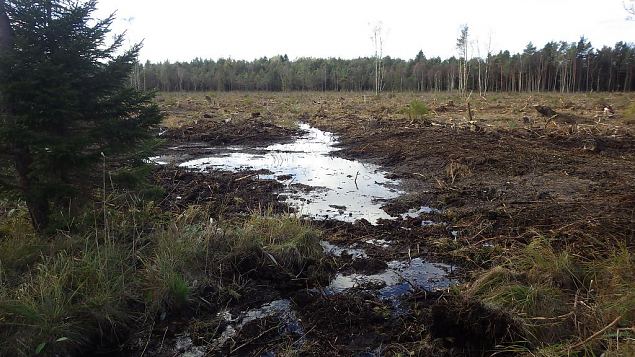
(250,29)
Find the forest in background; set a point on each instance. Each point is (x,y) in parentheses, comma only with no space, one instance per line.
(558,66)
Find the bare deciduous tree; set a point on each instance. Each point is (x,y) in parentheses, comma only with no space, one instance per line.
(378,42)
(462,45)
(629,6)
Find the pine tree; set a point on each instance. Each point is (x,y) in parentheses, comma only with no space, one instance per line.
(66,103)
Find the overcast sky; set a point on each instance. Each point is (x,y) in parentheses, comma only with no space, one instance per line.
(247,29)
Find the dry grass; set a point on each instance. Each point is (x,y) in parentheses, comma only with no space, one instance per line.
(495,111)
(93,286)
(563,298)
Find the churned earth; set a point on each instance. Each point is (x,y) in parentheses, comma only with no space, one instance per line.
(412,208)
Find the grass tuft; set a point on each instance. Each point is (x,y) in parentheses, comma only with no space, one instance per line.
(66,301)
(561,297)
(93,285)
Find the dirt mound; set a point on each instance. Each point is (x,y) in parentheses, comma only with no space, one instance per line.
(471,328)
(504,183)
(226,193)
(256,131)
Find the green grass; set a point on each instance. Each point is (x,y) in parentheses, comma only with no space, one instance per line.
(19,245)
(629,114)
(66,301)
(286,242)
(561,296)
(94,285)
(195,250)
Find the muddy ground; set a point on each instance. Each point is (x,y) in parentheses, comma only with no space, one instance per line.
(507,171)
(497,179)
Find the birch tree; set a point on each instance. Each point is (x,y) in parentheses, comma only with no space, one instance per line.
(629,6)
(487,63)
(378,43)
(462,44)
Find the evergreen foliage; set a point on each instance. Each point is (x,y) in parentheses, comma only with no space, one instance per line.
(68,104)
(558,66)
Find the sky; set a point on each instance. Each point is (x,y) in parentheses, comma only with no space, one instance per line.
(248,29)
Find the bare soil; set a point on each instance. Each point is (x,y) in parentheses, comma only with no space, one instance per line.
(498,179)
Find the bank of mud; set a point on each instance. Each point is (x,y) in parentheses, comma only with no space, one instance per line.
(503,183)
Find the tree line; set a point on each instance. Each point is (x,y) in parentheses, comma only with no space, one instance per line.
(558,66)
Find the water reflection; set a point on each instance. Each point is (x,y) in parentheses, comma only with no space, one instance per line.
(398,279)
(344,189)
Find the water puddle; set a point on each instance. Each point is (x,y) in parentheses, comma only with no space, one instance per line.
(416,212)
(338,188)
(184,347)
(400,278)
(337,251)
(379,242)
(280,309)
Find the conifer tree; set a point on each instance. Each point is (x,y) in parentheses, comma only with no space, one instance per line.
(66,103)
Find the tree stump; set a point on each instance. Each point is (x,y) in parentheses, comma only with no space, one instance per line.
(545,111)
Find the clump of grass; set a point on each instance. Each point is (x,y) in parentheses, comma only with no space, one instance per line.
(562,297)
(615,283)
(629,114)
(285,241)
(196,252)
(455,170)
(67,301)
(543,264)
(19,244)
(179,258)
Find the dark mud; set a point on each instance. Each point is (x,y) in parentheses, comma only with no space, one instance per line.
(470,191)
(504,183)
(226,194)
(214,132)
(377,267)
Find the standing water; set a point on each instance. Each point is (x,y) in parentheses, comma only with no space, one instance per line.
(339,188)
(321,186)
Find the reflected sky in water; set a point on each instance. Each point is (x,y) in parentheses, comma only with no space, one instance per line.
(398,279)
(345,189)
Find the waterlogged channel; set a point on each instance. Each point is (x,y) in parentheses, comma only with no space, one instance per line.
(318,184)
(321,186)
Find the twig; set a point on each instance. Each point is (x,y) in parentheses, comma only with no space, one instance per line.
(233,350)
(483,240)
(479,232)
(551,318)
(304,335)
(245,177)
(579,344)
(526,104)
(149,337)
(163,339)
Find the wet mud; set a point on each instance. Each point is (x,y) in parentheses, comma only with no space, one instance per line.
(441,200)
